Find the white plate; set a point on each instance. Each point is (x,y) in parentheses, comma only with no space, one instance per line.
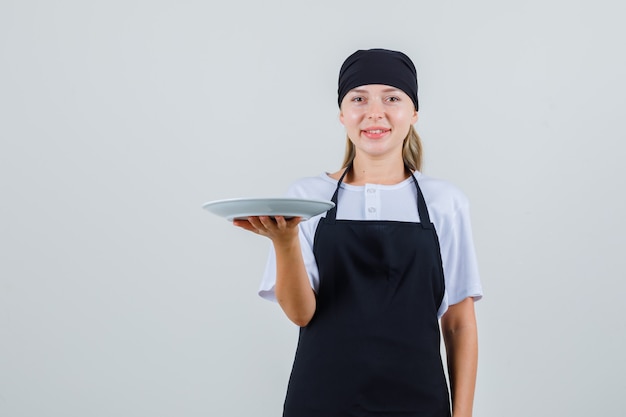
(240,208)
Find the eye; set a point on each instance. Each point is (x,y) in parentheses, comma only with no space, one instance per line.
(357,99)
(393,99)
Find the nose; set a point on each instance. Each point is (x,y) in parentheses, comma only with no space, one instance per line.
(375,110)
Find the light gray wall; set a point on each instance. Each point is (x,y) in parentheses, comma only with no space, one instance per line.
(120,296)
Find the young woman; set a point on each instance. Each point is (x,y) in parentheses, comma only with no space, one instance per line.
(370,280)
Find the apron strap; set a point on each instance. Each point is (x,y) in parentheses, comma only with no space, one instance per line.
(421,206)
(332,213)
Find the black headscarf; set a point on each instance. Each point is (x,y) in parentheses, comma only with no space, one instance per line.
(378,66)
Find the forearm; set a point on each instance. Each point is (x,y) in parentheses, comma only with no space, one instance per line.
(293,289)
(461,340)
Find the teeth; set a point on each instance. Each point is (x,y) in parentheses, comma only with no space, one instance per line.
(375,132)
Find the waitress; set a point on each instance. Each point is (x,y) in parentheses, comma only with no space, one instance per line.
(370,281)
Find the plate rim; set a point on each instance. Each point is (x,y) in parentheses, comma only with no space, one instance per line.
(215,203)
(252,199)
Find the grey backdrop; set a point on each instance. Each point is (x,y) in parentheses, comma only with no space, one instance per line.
(120,296)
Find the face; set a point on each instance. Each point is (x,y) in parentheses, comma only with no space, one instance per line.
(377,118)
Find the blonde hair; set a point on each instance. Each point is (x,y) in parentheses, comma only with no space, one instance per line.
(411,151)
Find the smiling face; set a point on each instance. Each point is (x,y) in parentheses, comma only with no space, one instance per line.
(377,119)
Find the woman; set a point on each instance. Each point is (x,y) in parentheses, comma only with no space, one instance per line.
(365,281)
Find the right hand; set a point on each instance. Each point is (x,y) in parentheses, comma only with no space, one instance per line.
(278,229)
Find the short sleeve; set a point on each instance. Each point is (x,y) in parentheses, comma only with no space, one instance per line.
(268,282)
(459,257)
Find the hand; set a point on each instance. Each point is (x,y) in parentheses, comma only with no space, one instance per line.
(278,229)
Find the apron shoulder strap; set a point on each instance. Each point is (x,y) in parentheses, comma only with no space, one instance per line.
(421,206)
(331,215)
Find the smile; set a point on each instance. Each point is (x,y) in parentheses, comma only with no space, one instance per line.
(376,132)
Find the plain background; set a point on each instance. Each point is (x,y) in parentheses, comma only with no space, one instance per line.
(121,296)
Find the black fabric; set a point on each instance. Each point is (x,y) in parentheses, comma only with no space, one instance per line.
(373,346)
(378,66)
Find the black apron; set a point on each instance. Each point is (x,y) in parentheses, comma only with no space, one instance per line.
(372,347)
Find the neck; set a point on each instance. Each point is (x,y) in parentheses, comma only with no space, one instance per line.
(383,172)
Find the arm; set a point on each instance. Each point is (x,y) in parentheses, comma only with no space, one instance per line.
(293,289)
(460,335)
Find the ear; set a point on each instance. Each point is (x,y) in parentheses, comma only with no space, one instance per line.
(341,117)
(414,118)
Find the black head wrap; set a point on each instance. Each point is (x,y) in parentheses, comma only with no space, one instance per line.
(378,66)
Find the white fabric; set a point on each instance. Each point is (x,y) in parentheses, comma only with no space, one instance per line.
(447,207)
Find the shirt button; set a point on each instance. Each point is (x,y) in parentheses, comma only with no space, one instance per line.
(372,210)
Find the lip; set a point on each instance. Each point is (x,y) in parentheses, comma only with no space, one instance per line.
(375,132)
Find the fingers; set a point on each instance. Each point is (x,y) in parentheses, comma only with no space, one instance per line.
(281,223)
(254,224)
(293,221)
(244,224)
(262,224)
(265,225)
(268,226)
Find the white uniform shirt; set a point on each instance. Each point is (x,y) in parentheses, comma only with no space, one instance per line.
(448,210)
